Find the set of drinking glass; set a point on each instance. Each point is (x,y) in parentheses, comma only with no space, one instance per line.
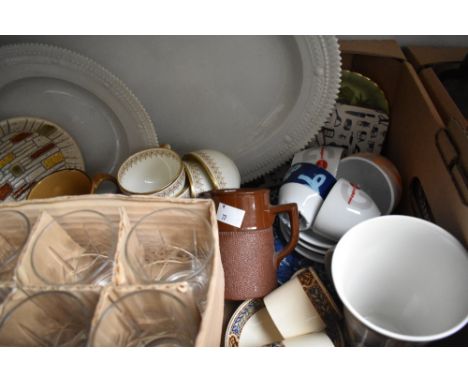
(60,266)
(333,194)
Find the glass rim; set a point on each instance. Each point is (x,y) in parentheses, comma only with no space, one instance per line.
(29,297)
(204,264)
(39,235)
(123,297)
(28,230)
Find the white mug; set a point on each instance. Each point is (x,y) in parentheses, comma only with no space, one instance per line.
(345,206)
(307,185)
(326,157)
(300,306)
(402,281)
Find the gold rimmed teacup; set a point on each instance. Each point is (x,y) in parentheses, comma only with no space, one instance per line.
(220,169)
(198,179)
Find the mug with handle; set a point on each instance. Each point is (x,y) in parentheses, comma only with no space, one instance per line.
(68,182)
(245,223)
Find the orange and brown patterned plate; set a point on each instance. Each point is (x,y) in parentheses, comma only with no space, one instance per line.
(30,149)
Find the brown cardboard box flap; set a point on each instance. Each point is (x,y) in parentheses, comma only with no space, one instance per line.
(379,48)
(422,56)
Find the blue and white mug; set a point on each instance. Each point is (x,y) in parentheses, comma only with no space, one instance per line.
(307,185)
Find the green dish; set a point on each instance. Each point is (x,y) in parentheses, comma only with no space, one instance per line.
(358,90)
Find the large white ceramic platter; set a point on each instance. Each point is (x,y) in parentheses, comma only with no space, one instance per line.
(258,99)
(101,114)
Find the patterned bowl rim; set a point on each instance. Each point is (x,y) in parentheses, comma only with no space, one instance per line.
(124,166)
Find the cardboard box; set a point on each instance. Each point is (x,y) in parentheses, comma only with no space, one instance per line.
(419,142)
(453,140)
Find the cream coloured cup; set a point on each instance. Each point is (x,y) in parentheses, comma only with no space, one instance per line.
(156,171)
(302,305)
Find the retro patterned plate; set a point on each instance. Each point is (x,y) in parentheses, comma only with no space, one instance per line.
(30,149)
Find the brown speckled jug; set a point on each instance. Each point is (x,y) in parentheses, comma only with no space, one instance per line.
(248,252)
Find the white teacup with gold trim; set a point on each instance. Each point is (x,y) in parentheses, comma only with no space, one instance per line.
(156,171)
(220,169)
(198,179)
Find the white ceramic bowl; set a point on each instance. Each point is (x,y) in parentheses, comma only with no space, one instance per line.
(221,169)
(156,171)
(376,175)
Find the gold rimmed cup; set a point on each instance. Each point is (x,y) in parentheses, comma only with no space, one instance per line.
(156,171)
(220,169)
(198,178)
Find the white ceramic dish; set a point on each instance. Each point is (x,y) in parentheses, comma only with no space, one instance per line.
(31,149)
(221,169)
(311,237)
(268,92)
(91,104)
(286,234)
(376,175)
(311,255)
(158,171)
(197,177)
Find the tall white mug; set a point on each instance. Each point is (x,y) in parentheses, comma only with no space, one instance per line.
(402,281)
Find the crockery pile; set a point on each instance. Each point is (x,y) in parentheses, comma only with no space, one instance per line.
(333,194)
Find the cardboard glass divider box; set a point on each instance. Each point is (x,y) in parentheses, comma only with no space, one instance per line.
(123,211)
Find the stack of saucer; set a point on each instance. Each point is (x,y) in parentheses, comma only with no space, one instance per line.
(310,245)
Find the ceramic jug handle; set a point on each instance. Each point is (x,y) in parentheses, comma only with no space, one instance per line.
(101,177)
(291,210)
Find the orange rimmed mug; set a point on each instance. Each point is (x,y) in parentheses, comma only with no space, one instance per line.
(248,252)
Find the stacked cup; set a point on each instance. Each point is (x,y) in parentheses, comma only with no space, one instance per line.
(335,194)
(210,170)
(300,312)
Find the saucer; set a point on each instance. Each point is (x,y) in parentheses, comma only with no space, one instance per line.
(311,255)
(310,236)
(286,232)
(250,325)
